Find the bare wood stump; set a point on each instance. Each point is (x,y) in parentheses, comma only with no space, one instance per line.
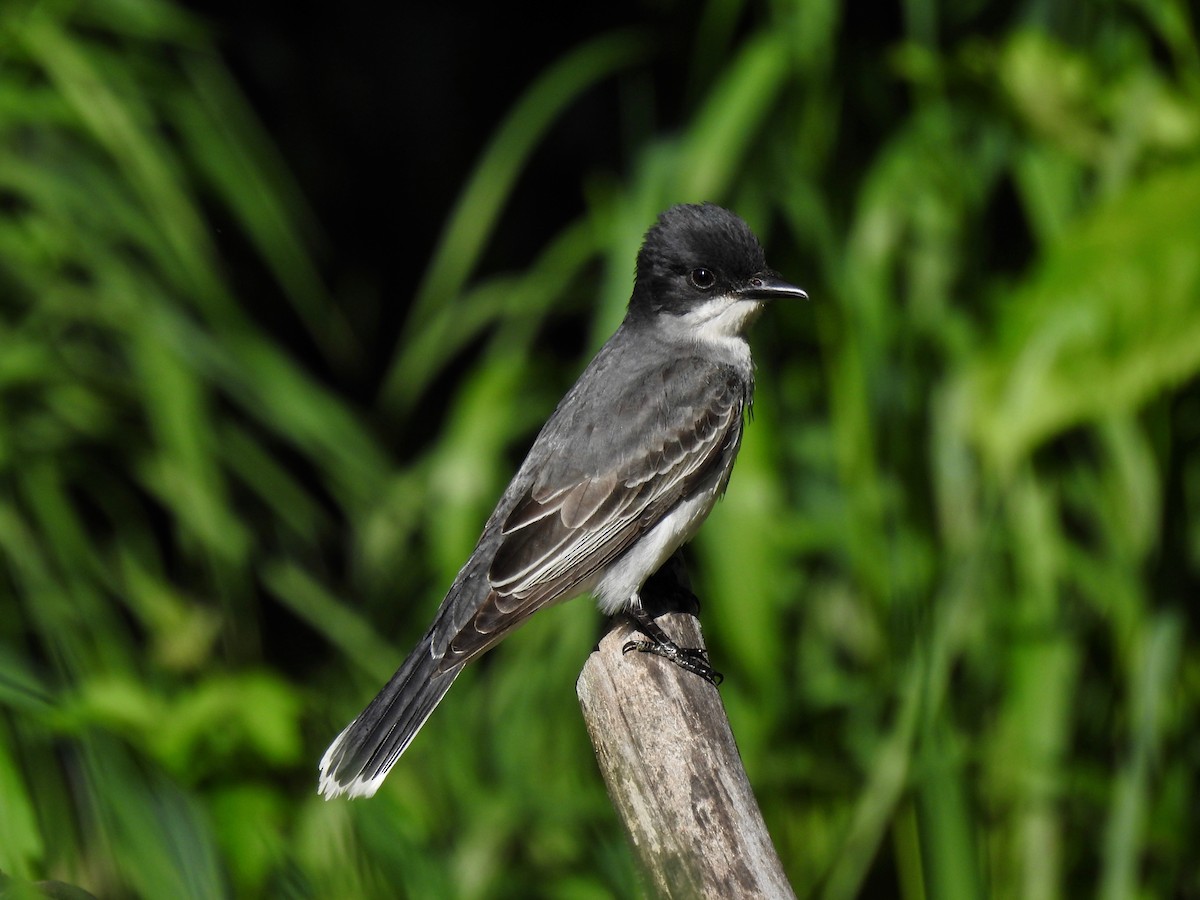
(673,771)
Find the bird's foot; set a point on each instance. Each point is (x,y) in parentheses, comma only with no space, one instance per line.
(690,659)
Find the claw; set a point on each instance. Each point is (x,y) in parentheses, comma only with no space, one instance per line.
(690,659)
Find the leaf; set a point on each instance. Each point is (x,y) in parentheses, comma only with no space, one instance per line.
(1108,319)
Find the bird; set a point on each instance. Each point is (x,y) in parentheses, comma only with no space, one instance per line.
(622,474)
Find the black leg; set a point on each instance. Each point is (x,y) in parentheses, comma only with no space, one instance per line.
(687,658)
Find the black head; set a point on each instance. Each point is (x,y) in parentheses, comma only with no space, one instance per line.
(696,253)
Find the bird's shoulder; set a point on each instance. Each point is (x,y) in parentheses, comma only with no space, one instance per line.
(630,404)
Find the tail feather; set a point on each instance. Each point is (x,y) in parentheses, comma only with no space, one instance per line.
(361,756)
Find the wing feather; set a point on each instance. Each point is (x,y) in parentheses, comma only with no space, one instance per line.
(567,526)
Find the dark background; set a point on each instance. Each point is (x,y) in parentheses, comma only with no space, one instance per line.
(381,111)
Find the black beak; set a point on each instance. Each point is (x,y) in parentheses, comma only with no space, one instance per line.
(771,287)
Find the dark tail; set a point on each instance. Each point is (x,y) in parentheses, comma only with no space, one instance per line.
(360,757)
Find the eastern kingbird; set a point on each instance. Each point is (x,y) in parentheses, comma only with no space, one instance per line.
(621,475)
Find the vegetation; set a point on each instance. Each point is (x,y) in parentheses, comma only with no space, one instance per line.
(953,584)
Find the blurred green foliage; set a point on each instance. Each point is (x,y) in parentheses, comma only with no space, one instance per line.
(952,585)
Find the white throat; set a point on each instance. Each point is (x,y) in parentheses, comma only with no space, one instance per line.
(719,323)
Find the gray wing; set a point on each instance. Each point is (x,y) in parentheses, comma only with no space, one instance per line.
(609,473)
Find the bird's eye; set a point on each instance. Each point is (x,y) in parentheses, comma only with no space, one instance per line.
(702,278)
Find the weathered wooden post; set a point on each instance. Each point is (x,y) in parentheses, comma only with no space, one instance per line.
(673,771)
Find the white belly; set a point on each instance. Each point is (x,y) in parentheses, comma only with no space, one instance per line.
(624,578)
